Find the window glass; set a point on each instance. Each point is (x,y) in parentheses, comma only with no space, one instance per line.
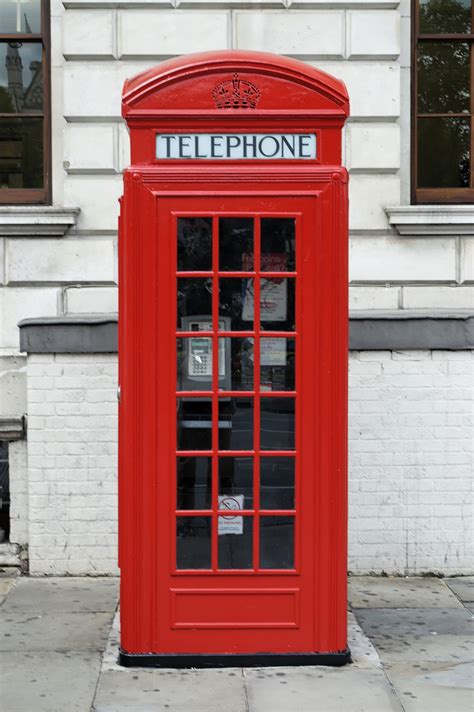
(193,542)
(194,244)
(20,16)
(235,423)
(193,476)
(444,16)
(235,536)
(236,244)
(443,77)
(21,153)
(449,165)
(277,542)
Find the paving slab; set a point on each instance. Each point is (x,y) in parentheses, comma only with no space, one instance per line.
(64,595)
(140,690)
(398,592)
(6,585)
(436,687)
(363,653)
(58,632)
(51,682)
(463,587)
(320,689)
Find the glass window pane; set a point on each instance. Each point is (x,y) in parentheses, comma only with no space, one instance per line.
(443,77)
(237,359)
(277,364)
(20,16)
(277,423)
(277,542)
(235,536)
(194,420)
(236,304)
(194,304)
(21,153)
(236,244)
(278,244)
(193,542)
(277,482)
(235,423)
(443,153)
(194,364)
(194,482)
(21,76)
(445,16)
(195,244)
(236,479)
(277,304)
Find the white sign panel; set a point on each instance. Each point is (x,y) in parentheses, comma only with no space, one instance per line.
(235,146)
(229,523)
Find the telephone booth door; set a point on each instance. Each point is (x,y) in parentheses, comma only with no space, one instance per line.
(233,342)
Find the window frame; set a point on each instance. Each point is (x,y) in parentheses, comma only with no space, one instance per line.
(35,196)
(427,196)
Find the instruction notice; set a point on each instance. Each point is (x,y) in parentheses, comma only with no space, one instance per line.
(231,523)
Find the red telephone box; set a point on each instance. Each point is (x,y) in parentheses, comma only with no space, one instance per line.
(233,359)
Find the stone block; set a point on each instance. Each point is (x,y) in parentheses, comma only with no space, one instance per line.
(438,297)
(87,300)
(393,259)
(373,34)
(368,196)
(313,34)
(373,147)
(373,297)
(160,34)
(88,34)
(59,261)
(374,87)
(16,304)
(124,147)
(98,198)
(89,148)
(467,260)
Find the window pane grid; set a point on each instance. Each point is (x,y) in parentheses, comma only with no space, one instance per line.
(220,399)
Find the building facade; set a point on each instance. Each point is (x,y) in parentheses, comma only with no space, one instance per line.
(63,147)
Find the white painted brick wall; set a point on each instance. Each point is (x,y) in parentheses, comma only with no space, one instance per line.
(411,456)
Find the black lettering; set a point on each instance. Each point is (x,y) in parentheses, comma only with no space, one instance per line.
(215,140)
(232,142)
(286,143)
(167,140)
(260,146)
(183,144)
(304,144)
(196,148)
(250,141)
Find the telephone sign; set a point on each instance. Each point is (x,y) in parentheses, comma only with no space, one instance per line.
(233,365)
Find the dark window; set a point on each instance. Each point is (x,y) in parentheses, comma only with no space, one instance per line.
(4,493)
(24,102)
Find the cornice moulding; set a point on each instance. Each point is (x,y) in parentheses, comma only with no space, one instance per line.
(36,221)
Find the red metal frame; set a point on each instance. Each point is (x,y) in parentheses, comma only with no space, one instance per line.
(166,611)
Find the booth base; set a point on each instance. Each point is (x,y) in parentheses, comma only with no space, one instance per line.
(224,660)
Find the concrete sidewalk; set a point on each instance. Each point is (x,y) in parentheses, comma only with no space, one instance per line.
(411,639)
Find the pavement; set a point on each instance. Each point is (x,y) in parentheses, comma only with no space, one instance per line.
(411,641)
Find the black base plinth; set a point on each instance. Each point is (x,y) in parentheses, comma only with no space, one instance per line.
(223,660)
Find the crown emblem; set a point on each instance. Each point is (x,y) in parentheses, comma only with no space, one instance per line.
(236,93)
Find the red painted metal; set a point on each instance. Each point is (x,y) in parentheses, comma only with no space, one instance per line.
(165,610)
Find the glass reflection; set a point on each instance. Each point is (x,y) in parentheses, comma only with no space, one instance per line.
(193,542)
(236,303)
(20,16)
(277,542)
(236,244)
(21,77)
(236,479)
(235,536)
(277,482)
(278,245)
(194,244)
(277,364)
(443,77)
(239,354)
(449,165)
(21,153)
(277,423)
(277,304)
(445,16)
(193,475)
(194,424)
(194,304)
(235,423)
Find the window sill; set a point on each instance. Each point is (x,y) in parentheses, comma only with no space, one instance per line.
(12,427)
(432,220)
(36,221)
